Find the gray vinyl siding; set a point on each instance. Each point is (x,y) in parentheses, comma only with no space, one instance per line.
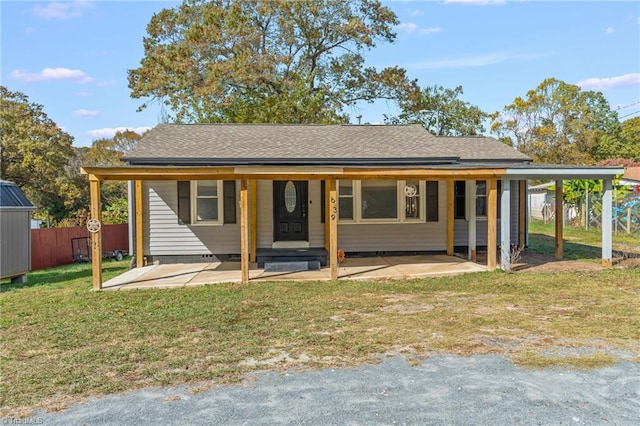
(164,236)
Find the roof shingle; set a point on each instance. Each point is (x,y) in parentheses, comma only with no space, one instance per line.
(254,143)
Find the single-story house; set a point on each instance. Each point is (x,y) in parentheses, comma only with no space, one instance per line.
(254,191)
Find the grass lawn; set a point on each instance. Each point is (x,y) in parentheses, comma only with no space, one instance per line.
(61,341)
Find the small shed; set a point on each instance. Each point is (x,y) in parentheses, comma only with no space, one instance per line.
(15,232)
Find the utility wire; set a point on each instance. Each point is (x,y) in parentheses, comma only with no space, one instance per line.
(627,115)
(626,106)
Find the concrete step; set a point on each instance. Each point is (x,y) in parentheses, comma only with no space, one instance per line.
(311,265)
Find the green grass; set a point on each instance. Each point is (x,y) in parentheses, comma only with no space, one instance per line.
(61,341)
(579,244)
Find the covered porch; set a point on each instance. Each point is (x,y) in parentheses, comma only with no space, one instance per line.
(510,177)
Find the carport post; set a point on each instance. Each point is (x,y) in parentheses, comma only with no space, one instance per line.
(96,237)
(492,219)
(607,214)
(505,225)
(559,220)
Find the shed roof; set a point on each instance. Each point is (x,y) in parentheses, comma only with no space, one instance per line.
(12,196)
(237,144)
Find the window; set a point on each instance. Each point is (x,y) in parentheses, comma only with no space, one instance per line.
(432,201)
(206,202)
(385,201)
(412,202)
(379,199)
(482,197)
(345,200)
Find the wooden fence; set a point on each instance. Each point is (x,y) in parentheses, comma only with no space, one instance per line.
(52,246)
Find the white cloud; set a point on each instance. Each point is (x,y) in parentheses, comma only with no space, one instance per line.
(52,74)
(29,30)
(411,28)
(84,93)
(61,10)
(610,30)
(479,2)
(86,113)
(417,12)
(625,80)
(469,61)
(109,132)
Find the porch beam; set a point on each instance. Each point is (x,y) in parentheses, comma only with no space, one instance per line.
(139,225)
(559,220)
(96,237)
(286,173)
(253,226)
(522,212)
(450,216)
(471,198)
(607,214)
(333,228)
(505,225)
(244,231)
(492,219)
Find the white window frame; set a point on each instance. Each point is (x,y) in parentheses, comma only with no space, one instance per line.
(194,204)
(400,205)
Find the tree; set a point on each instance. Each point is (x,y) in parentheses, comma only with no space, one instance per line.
(109,152)
(440,111)
(265,61)
(33,151)
(557,123)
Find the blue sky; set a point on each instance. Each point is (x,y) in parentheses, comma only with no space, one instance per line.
(72,56)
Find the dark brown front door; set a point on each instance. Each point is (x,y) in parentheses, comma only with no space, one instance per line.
(290,200)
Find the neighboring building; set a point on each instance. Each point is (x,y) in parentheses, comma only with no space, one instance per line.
(15,232)
(250,191)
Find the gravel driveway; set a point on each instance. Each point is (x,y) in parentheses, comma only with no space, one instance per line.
(444,389)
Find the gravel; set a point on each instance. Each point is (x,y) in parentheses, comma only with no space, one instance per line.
(444,389)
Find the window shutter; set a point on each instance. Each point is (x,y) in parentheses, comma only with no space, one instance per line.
(229,191)
(432,201)
(322,200)
(184,202)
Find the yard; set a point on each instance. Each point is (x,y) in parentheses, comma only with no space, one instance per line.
(62,342)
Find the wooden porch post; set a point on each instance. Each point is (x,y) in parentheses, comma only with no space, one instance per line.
(559,220)
(96,237)
(253,226)
(139,225)
(505,225)
(327,214)
(332,218)
(607,214)
(244,231)
(522,212)
(450,216)
(471,198)
(492,218)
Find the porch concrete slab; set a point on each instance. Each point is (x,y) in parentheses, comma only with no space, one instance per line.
(194,274)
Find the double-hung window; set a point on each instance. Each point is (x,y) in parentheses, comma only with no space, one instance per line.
(206,202)
(482,198)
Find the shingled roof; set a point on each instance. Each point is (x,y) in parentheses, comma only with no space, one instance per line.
(235,144)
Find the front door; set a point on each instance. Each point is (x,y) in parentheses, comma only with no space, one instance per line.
(290,200)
